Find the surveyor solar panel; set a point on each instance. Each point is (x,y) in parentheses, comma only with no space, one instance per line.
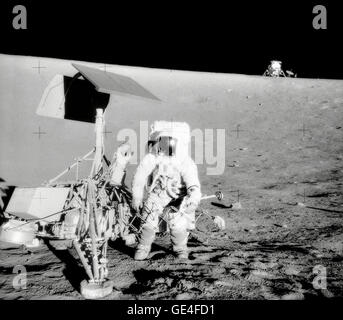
(109,82)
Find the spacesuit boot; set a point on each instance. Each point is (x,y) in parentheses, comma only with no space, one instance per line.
(142,252)
(179,224)
(146,238)
(183,255)
(179,241)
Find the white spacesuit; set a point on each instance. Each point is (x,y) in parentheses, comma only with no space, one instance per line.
(171,177)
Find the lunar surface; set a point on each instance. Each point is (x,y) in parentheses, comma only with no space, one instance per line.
(283,173)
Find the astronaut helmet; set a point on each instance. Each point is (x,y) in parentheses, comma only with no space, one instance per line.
(169,139)
(166,145)
(163,145)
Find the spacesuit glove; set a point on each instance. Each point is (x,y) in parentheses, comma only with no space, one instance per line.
(123,155)
(137,204)
(188,207)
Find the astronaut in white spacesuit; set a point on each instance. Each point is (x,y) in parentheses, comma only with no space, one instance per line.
(171,176)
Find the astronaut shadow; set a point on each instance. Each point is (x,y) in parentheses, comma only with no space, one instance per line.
(119,245)
(73,271)
(157,251)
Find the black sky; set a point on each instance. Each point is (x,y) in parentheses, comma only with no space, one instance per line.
(234,36)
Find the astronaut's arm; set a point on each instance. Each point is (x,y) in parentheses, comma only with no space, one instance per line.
(191,180)
(140,178)
(119,162)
